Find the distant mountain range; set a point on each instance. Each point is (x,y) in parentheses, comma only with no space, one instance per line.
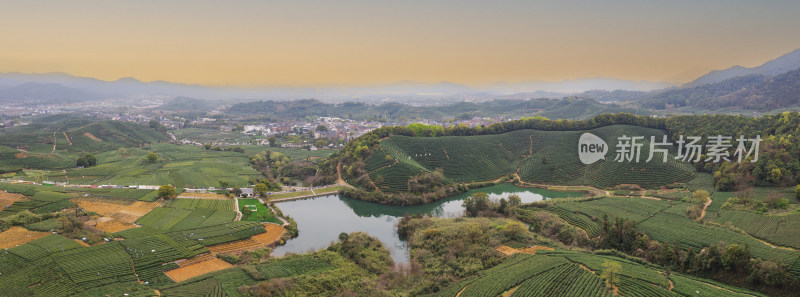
(775,84)
(771,85)
(48,93)
(782,64)
(62,87)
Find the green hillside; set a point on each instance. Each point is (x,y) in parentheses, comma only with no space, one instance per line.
(537,156)
(563,273)
(57,142)
(182,166)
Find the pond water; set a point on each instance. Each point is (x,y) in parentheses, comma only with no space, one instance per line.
(321,219)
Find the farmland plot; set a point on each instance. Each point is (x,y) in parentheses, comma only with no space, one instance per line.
(97,265)
(215,204)
(197,269)
(121,212)
(16,235)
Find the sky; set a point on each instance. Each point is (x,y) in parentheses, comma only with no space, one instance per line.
(322,43)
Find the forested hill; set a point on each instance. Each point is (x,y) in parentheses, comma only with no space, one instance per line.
(392,162)
(566,108)
(754,92)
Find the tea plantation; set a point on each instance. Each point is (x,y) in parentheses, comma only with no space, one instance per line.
(565,273)
(537,156)
(666,221)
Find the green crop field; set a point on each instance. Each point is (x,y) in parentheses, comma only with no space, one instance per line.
(179,165)
(97,265)
(253,210)
(666,221)
(150,252)
(85,135)
(166,219)
(200,204)
(567,273)
(227,282)
(292,266)
(538,156)
(41,202)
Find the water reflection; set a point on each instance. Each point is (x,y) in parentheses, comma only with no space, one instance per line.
(321,219)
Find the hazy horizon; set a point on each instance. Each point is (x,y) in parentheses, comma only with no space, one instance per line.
(364,43)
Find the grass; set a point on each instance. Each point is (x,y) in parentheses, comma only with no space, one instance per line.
(258,212)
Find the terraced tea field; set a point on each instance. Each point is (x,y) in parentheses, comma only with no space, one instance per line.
(166,219)
(563,273)
(182,166)
(215,196)
(666,221)
(538,156)
(215,204)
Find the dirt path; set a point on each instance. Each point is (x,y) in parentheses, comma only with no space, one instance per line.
(462,290)
(596,191)
(509,292)
(703,212)
(774,246)
(339,179)
(133,267)
(531,139)
(445,152)
(67,137)
(724,289)
(236,208)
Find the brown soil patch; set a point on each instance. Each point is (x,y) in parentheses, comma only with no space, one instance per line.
(508,251)
(81,242)
(273,234)
(212,196)
(9,198)
(15,236)
(112,226)
(197,269)
(196,259)
(120,212)
(21,155)
(87,134)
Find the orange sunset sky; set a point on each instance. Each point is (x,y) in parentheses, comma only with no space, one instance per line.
(306,43)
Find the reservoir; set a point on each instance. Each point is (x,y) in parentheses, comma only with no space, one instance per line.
(321,219)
